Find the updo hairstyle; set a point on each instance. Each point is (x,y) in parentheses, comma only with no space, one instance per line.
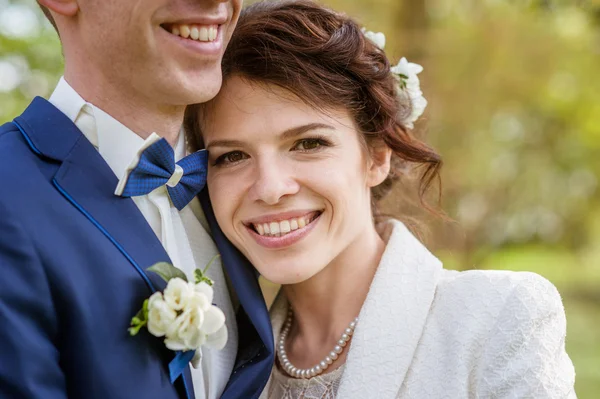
(322,57)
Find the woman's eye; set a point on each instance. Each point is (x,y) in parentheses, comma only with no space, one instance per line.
(308,144)
(230,158)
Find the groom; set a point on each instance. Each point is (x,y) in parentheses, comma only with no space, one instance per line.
(73,254)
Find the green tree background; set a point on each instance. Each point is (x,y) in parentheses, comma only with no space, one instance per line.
(514,110)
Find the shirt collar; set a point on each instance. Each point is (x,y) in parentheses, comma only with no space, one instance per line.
(117,144)
(67,100)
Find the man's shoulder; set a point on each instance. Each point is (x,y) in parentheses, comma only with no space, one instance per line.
(13,146)
(6,130)
(21,169)
(10,139)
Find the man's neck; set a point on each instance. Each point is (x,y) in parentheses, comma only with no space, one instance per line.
(141,115)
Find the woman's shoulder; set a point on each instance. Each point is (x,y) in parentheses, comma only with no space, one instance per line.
(498,284)
(479,292)
(500,296)
(511,325)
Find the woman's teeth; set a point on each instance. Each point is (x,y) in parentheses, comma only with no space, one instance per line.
(201,33)
(278,229)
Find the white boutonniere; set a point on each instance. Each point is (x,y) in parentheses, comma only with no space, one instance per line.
(183,313)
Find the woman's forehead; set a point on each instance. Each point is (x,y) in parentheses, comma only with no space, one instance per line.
(249,105)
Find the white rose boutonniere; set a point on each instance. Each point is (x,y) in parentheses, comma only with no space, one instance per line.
(183,313)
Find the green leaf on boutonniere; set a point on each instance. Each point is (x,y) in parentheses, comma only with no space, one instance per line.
(167,271)
(201,274)
(139,320)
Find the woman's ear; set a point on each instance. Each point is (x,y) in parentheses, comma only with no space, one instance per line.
(68,8)
(379,165)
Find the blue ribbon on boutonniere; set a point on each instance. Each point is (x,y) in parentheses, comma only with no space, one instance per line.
(179,363)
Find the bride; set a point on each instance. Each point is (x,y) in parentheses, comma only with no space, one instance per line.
(310,131)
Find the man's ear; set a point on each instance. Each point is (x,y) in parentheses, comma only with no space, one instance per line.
(68,8)
(379,165)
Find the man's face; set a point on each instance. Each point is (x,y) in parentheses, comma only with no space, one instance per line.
(165,51)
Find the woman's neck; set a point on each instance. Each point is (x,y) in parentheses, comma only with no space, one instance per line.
(324,305)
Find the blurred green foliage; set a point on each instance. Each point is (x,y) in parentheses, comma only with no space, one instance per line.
(514,110)
(30,56)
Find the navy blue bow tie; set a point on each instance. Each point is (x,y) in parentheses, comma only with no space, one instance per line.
(156,168)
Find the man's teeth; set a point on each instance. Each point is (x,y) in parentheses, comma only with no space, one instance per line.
(277,229)
(201,33)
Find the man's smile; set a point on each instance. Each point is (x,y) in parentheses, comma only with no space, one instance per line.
(201,33)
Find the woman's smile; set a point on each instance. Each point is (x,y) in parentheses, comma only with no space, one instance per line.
(283,230)
(290,183)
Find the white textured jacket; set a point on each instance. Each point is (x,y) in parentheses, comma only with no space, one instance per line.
(425,332)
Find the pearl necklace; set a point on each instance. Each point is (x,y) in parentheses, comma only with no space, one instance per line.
(296,372)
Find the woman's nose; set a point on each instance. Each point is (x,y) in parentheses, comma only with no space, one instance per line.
(273,181)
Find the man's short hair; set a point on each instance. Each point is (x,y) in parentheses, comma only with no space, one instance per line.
(49,16)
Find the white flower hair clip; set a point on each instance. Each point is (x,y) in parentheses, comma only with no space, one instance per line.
(408,81)
(378,38)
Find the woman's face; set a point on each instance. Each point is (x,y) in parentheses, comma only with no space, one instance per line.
(290,186)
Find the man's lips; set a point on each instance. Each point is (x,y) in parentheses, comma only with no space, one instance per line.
(221,19)
(203,41)
(196,32)
(199,32)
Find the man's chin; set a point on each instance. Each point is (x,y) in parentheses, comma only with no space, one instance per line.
(191,92)
(202,90)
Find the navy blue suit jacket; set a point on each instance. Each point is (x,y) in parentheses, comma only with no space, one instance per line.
(72,274)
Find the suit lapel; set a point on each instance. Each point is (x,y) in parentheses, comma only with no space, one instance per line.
(256,347)
(88,183)
(392,318)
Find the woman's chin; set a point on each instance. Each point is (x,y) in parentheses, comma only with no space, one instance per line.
(286,275)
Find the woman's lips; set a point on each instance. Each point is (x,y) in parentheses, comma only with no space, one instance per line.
(284,233)
(282,223)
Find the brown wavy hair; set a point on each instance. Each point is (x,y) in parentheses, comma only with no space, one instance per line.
(322,57)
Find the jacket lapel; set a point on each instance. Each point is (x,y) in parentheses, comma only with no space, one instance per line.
(392,318)
(256,347)
(88,183)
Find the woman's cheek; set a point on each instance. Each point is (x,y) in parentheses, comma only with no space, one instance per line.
(227,193)
(217,188)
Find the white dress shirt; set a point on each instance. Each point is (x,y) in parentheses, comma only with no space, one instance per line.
(184,234)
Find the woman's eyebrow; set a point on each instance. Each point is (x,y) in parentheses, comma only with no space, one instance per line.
(226,143)
(286,135)
(298,130)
